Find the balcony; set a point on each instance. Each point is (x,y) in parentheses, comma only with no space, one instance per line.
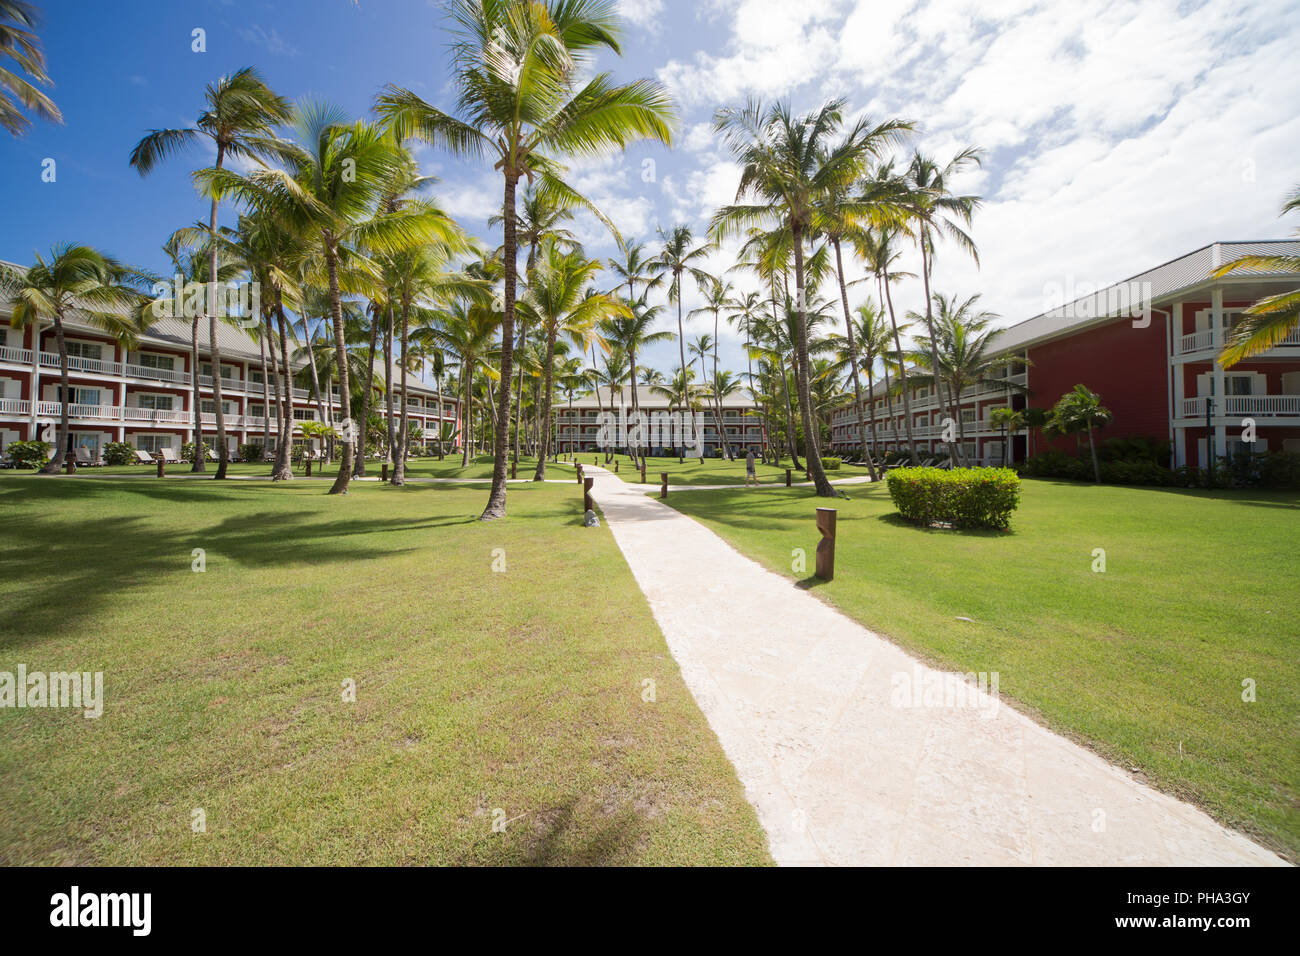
(1204,342)
(1262,406)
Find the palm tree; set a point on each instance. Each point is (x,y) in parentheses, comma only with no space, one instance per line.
(240,119)
(935,210)
(788,167)
(515,67)
(330,190)
(717,296)
(1010,421)
(1270,320)
(632,332)
(75,279)
(467,329)
(964,352)
(556,304)
(1080,409)
(18,41)
(677,257)
(877,250)
(677,390)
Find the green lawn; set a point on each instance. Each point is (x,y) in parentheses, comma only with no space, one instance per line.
(476,691)
(711,471)
(1198,595)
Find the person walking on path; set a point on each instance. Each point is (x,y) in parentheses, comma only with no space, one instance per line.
(750,472)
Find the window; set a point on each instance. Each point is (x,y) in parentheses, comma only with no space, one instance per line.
(159,402)
(85,350)
(210,407)
(154,443)
(255,377)
(967,416)
(80,396)
(257,410)
(205,368)
(166,362)
(304,415)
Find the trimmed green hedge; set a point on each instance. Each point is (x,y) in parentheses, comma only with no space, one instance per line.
(961,497)
(119,453)
(832,464)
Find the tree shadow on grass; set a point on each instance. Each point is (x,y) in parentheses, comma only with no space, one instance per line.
(556,837)
(61,571)
(898,521)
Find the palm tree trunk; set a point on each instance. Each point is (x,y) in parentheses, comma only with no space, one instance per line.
(360,468)
(496,505)
(811,453)
(404,433)
(853,359)
(390,421)
(519,392)
(1096,469)
(198,464)
(544,444)
(340,486)
(466,411)
(945,406)
(315,376)
(275,372)
(437,381)
(282,470)
(681,347)
(902,374)
(266,387)
(65,426)
(223,450)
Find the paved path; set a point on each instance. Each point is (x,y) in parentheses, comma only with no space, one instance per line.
(800,697)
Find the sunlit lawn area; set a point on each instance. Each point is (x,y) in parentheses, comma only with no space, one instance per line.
(518,691)
(710,471)
(1144,661)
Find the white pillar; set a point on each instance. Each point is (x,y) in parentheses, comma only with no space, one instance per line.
(1220,399)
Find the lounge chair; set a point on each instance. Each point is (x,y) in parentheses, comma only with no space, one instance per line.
(84,457)
(170,457)
(212,455)
(142,457)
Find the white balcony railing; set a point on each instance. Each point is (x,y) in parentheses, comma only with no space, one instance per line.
(1204,342)
(15,356)
(1250,405)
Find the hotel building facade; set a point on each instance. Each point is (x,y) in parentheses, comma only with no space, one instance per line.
(144,395)
(579,420)
(1148,347)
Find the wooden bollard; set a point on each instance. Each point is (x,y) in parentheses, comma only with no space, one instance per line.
(383,472)
(578,469)
(162,468)
(643,472)
(663,488)
(787,477)
(69,466)
(826,546)
(616,466)
(595,460)
(514,467)
(586,495)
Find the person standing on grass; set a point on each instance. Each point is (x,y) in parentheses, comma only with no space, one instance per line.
(750,472)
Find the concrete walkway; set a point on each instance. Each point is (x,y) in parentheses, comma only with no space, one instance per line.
(840,768)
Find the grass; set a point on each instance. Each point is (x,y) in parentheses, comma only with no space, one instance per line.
(476,691)
(1144,662)
(710,471)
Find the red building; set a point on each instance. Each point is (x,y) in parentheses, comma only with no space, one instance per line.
(1147,346)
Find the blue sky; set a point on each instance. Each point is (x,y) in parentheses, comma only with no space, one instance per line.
(1118,134)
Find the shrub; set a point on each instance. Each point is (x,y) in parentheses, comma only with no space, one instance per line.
(29,454)
(187,450)
(961,497)
(832,464)
(1280,470)
(1156,451)
(1056,464)
(119,453)
(250,452)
